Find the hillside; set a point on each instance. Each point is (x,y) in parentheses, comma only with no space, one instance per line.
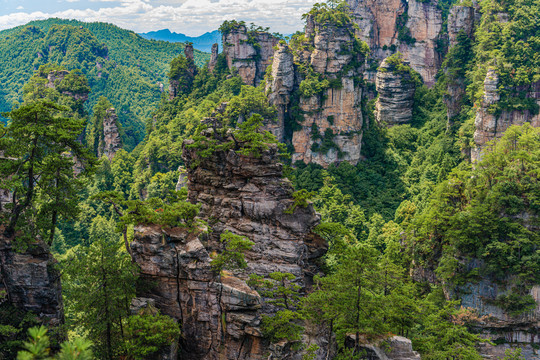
(368,188)
(203,42)
(119,64)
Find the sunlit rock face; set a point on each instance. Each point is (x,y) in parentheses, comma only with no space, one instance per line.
(249,54)
(220,315)
(490,125)
(396,96)
(381,21)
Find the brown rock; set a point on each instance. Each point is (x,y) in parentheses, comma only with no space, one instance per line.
(491,126)
(111,142)
(220,315)
(379,28)
(249,60)
(31,280)
(213,57)
(280,86)
(188,51)
(396,96)
(460,19)
(337,111)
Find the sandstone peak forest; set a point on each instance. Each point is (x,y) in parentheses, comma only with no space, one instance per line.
(366,188)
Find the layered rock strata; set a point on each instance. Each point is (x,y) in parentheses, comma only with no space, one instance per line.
(461,20)
(491,125)
(249,52)
(396,95)
(175,85)
(280,86)
(111,142)
(410,27)
(213,57)
(331,124)
(496,323)
(31,281)
(220,315)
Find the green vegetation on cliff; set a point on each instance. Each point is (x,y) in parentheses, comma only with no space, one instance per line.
(118,64)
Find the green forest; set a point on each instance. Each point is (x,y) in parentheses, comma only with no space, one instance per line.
(410,230)
(117,63)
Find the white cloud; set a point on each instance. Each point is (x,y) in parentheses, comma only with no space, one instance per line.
(192,17)
(20,7)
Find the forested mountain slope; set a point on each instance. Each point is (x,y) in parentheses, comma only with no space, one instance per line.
(119,64)
(367,189)
(203,42)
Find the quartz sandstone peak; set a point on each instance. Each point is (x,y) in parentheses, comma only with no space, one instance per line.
(249,52)
(213,57)
(332,116)
(396,95)
(489,125)
(220,315)
(382,21)
(31,280)
(111,142)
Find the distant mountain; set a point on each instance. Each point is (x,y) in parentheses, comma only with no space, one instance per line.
(129,70)
(203,42)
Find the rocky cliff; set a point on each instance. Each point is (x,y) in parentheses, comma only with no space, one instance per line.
(490,124)
(248,52)
(396,90)
(31,281)
(183,74)
(410,27)
(462,22)
(111,142)
(320,74)
(213,57)
(220,314)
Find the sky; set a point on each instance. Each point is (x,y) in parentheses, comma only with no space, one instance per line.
(190,17)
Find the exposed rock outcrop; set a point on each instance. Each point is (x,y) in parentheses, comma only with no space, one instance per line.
(491,125)
(220,315)
(280,85)
(182,80)
(213,57)
(188,52)
(111,142)
(249,52)
(31,280)
(331,128)
(461,20)
(410,27)
(396,95)
(496,323)
(393,348)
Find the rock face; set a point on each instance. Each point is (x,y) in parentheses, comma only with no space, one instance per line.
(396,95)
(495,323)
(280,85)
(213,57)
(462,19)
(188,51)
(331,126)
(220,315)
(381,23)
(183,85)
(488,125)
(393,348)
(249,52)
(31,281)
(111,142)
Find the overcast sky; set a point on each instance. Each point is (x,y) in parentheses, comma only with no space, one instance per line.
(191,17)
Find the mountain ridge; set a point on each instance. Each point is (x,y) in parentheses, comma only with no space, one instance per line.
(202,42)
